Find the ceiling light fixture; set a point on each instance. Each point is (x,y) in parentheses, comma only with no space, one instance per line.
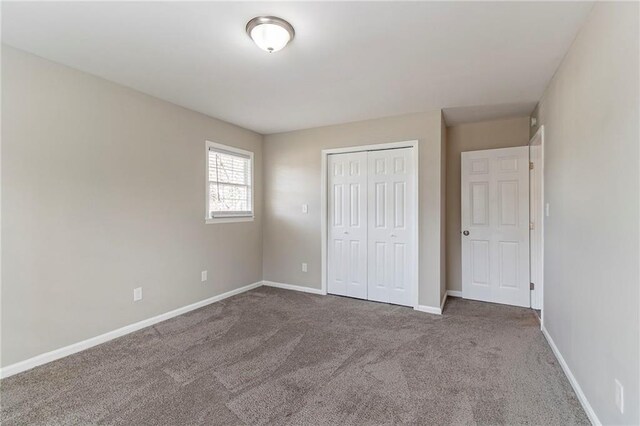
(270,33)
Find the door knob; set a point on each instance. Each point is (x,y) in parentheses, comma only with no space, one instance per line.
(345,232)
(393,235)
(465,233)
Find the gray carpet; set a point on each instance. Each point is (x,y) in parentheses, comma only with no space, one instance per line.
(283,357)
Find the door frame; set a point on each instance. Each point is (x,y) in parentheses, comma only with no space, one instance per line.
(538,231)
(324,213)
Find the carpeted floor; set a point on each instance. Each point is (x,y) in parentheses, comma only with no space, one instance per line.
(284,357)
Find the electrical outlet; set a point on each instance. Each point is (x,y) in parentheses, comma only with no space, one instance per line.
(304,267)
(619,396)
(137,294)
(203,276)
(305,208)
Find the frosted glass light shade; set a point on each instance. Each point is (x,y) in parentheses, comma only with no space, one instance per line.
(270,33)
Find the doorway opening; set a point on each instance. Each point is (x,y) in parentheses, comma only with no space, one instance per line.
(503,211)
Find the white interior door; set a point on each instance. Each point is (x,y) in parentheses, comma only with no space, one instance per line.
(392,226)
(495,225)
(347,230)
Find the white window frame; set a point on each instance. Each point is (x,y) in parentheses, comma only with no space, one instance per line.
(230,218)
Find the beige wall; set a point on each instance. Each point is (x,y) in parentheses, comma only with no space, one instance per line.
(591,287)
(471,137)
(103,191)
(292,178)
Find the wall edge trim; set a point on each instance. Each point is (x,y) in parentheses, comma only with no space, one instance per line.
(293,287)
(591,414)
(428,309)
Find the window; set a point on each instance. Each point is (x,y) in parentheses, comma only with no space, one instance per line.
(229,184)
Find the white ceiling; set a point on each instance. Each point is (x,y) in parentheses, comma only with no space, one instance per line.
(349,61)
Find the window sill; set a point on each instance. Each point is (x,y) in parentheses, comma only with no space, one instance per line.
(230,219)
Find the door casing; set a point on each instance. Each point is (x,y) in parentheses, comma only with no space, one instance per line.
(537,208)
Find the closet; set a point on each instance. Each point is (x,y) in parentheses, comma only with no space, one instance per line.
(372,225)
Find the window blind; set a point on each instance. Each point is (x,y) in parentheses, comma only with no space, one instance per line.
(229,184)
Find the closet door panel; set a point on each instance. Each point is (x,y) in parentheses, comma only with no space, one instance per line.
(391,226)
(347,230)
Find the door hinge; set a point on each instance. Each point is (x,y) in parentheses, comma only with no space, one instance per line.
(531,286)
(530,165)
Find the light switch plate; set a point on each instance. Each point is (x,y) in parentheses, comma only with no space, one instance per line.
(203,276)
(304,267)
(546,209)
(137,294)
(305,208)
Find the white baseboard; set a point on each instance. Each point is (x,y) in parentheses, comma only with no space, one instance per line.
(431,309)
(454,293)
(46,357)
(574,383)
(428,309)
(292,287)
(444,300)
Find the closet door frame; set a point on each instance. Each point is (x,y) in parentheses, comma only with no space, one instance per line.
(324,205)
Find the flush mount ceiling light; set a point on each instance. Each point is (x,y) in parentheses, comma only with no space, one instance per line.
(270,33)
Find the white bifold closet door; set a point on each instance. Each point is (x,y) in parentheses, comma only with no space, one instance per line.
(391,226)
(347,248)
(372,225)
